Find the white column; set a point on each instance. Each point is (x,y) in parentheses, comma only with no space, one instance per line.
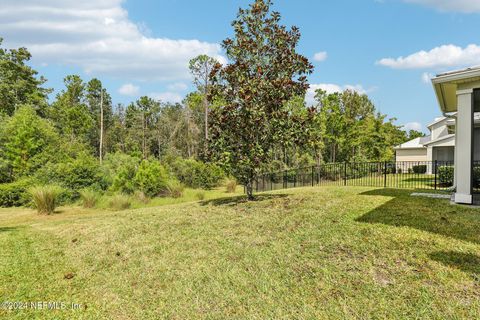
(430,159)
(463,147)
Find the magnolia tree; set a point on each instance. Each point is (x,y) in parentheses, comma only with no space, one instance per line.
(264,73)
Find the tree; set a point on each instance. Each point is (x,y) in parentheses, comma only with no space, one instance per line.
(27,142)
(99,104)
(19,84)
(265,72)
(201,67)
(354,130)
(413,134)
(140,119)
(70,111)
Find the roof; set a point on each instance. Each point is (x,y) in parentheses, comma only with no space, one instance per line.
(446,86)
(417,143)
(441,139)
(437,120)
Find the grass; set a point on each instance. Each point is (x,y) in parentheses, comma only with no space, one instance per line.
(308,253)
(189,195)
(45,198)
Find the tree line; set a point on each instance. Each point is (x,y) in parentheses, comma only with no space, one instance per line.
(248,116)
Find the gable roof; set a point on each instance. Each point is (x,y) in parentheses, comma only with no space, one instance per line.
(417,143)
(437,120)
(442,139)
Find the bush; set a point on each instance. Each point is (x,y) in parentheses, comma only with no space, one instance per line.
(45,198)
(200,195)
(89,198)
(445,175)
(74,174)
(420,169)
(231,185)
(151,178)
(196,174)
(119,170)
(120,202)
(14,194)
(175,189)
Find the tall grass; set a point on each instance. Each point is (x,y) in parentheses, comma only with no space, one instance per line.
(89,198)
(45,198)
(175,189)
(231,185)
(120,202)
(200,195)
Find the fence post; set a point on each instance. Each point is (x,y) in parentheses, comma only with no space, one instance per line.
(436,166)
(345,173)
(285,179)
(385,175)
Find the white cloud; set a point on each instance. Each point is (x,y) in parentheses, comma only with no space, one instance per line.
(464,6)
(97,36)
(331,88)
(427,77)
(178,86)
(320,56)
(172,97)
(417,126)
(439,57)
(129,89)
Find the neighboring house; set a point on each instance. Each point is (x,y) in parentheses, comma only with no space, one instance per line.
(458,95)
(438,146)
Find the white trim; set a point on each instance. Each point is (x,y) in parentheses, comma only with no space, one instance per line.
(463,198)
(436,122)
(465,91)
(457,75)
(440,139)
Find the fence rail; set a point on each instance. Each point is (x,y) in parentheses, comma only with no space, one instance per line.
(424,175)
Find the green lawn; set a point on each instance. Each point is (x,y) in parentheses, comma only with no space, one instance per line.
(309,253)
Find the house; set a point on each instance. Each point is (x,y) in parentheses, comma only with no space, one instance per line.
(439,145)
(458,95)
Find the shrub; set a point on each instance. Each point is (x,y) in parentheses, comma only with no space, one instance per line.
(200,195)
(89,198)
(74,174)
(420,169)
(231,185)
(151,178)
(45,198)
(175,189)
(14,194)
(445,175)
(120,202)
(196,174)
(119,170)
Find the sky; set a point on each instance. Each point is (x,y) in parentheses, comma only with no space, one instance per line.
(388,49)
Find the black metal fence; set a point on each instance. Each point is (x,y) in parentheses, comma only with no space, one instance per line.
(424,175)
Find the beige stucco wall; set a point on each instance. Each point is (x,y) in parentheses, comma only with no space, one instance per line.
(412,155)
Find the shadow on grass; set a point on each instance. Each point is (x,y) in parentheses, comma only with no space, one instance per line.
(233,201)
(8,229)
(431,215)
(467,262)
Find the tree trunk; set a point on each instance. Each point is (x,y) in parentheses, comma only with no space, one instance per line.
(100,151)
(143,136)
(249,188)
(205,104)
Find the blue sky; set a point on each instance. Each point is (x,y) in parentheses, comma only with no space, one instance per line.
(385,48)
